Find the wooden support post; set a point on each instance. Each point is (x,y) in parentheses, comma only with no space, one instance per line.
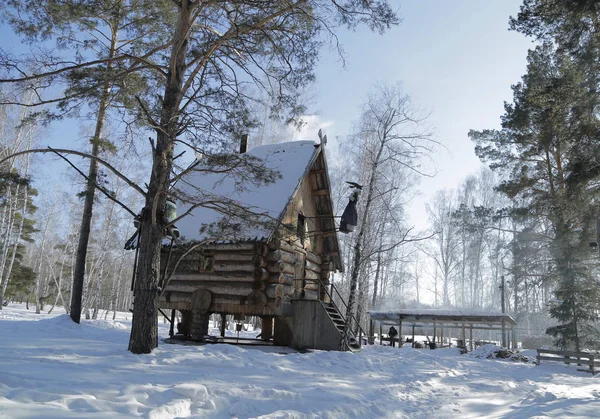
(471,337)
(442,336)
(282,335)
(267,328)
(400,335)
(223,324)
(172,327)
(380,334)
(413,335)
(200,321)
(464,336)
(514,338)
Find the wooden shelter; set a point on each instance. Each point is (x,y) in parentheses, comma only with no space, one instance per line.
(442,319)
(274,263)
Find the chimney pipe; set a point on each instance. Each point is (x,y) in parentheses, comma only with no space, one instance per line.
(244,143)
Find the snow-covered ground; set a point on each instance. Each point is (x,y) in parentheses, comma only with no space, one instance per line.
(53,368)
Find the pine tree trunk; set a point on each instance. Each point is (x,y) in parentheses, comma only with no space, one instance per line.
(88,206)
(144,328)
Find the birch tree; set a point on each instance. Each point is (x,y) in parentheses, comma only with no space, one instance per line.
(391,135)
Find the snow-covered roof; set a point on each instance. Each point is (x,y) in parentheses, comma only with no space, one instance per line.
(429,316)
(289,161)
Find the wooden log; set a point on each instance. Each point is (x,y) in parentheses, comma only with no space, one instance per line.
(186,298)
(241,289)
(285,279)
(276,255)
(213,276)
(235,247)
(311,266)
(280,267)
(313,286)
(261,274)
(280,244)
(187,266)
(226,266)
(314,258)
(261,249)
(311,295)
(233,257)
(279,290)
(259,285)
(311,275)
(259,261)
(201,299)
(327,266)
(257,298)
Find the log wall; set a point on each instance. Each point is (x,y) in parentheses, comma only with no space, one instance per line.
(249,278)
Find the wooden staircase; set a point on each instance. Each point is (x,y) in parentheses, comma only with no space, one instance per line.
(318,324)
(339,321)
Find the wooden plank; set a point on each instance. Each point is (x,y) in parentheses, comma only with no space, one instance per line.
(565,353)
(565,360)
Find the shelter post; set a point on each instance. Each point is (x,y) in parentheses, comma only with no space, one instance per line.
(471,337)
(399,333)
(172,326)
(514,338)
(380,334)
(413,335)
(223,324)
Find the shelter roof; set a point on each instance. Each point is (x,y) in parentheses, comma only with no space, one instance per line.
(440,316)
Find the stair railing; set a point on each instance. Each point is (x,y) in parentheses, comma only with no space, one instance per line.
(330,295)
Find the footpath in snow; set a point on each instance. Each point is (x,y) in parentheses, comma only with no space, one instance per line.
(53,368)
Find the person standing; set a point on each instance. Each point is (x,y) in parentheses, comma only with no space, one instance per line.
(392,333)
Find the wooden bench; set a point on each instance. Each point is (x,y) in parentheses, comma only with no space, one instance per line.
(571,357)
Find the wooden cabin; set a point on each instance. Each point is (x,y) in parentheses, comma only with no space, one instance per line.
(275,264)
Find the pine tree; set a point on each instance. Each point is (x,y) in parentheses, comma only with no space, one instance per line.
(538,150)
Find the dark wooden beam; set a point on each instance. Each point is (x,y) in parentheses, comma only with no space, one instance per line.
(321,192)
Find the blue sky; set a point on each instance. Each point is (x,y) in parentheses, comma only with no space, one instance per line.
(456,59)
